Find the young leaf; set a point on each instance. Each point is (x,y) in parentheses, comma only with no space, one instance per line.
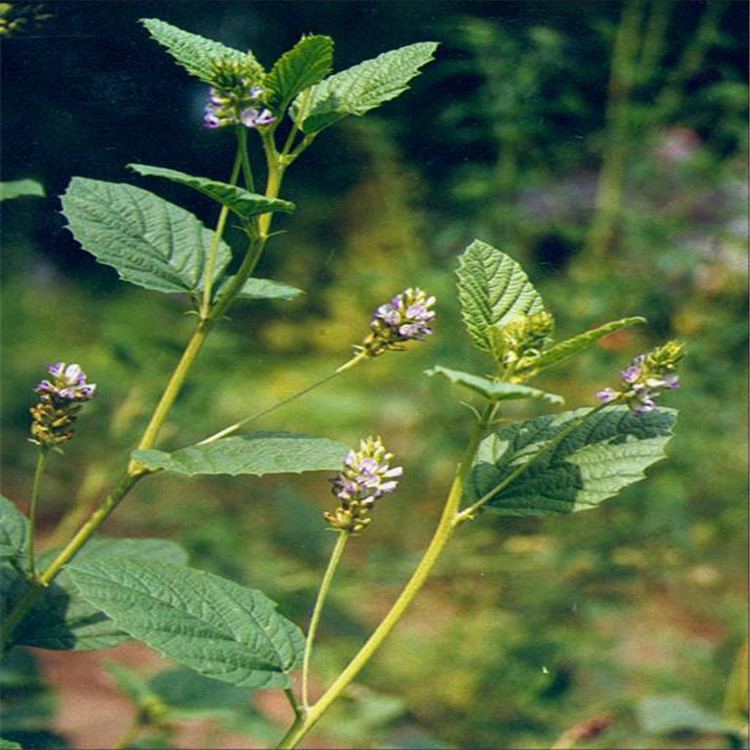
(193,52)
(9,745)
(361,88)
(493,289)
(607,452)
(262,289)
(20,189)
(307,63)
(14,529)
(205,622)
(491,390)
(256,453)
(563,350)
(62,619)
(147,240)
(244,203)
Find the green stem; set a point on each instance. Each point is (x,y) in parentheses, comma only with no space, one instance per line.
(440,538)
(244,157)
(470,512)
(325,584)
(284,401)
(41,458)
(219,233)
(294,703)
(173,388)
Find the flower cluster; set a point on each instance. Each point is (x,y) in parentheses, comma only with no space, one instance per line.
(60,401)
(646,376)
(407,317)
(517,344)
(367,476)
(235,97)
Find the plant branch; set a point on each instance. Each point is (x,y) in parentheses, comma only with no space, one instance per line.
(41,459)
(325,584)
(440,538)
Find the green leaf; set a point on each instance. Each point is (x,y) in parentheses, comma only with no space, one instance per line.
(666,714)
(493,289)
(609,451)
(14,529)
(563,350)
(255,288)
(20,189)
(361,88)
(307,63)
(131,683)
(205,622)
(244,203)
(256,453)
(193,52)
(9,745)
(63,620)
(147,240)
(491,390)
(267,289)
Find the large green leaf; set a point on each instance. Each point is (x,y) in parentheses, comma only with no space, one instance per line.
(195,53)
(62,619)
(571,346)
(306,64)
(493,289)
(205,622)
(20,189)
(244,203)
(491,390)
(147,240)
(361,88)
(256,453)
(609,451)
(14,529)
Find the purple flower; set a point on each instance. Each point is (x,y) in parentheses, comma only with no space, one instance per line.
(646,375)
(407,317)
(252,117)
(367,476)
(60,401)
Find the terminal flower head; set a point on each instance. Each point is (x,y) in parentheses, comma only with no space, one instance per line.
(646,376)
(366,477)
(235,98)
(61,398)
(407,317)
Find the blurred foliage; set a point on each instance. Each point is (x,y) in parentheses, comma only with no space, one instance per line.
(530,626)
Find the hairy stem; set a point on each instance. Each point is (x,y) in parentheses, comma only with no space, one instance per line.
(325,584)
(440,538)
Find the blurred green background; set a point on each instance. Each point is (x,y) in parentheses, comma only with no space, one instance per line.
(604,146)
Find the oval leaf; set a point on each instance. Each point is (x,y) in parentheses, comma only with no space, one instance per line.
(256,453)
(361,88)
(491,390)
(306,64)
(147,240)
(493,289)
(205,622)
(607,452)
(244,203)
(193,52)
(20,189)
